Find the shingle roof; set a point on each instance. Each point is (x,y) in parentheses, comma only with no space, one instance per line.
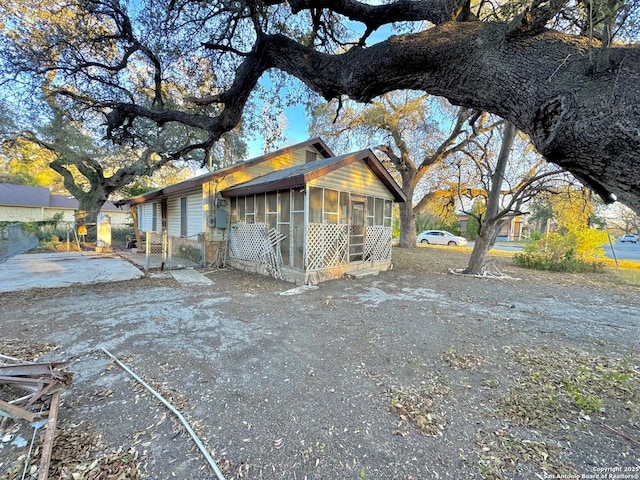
(185,185)
(299,175)
(26,196)
(23,195)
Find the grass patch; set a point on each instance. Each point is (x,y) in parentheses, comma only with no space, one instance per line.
(417,407)
(567,385)
(502,452)
(459,361)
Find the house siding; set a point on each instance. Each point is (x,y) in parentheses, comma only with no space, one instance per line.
(298,157)
(354,178)
(173,216)
(36,214)
(195,215)
(145,217)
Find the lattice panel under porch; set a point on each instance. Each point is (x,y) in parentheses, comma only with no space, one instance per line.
(377,243)
(154,241)
(247,241)
(327,246)
(253,242)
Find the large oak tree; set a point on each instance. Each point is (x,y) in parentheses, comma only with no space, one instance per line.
(552,68)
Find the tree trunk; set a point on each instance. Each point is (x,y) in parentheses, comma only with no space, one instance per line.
(484,242)
(491,224)
(407,220)
(586,123)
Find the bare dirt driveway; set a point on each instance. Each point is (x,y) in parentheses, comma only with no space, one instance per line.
(415,373)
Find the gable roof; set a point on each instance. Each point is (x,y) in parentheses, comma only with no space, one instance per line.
(300,175)
(26,196)
(195,182)
(23,195)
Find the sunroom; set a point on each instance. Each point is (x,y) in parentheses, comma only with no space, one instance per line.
(315,222)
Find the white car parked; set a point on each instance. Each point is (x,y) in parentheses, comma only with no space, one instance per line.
(440,237)
(629,237)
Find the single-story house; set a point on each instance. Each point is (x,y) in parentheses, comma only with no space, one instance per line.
(300,213)
(22,203)
(513,229)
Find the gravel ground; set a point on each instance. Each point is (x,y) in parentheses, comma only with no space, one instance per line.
(414,373)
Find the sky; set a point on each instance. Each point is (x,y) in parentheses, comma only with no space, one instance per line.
(297,129)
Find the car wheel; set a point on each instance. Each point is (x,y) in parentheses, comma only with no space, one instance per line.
(452,243)
(424,240)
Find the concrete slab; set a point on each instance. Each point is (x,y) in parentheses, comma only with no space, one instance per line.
(50,270)
(190,277)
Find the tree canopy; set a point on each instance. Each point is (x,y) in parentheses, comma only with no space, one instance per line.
(566,73)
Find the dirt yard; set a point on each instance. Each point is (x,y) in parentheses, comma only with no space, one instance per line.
(413,374)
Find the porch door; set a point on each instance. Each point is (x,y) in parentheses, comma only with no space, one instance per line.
(356,230)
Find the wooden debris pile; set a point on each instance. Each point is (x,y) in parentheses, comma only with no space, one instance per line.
(31,391)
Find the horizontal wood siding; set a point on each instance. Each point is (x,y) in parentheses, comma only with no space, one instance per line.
(354,178)
(173,216)
(298,157)
(195,215)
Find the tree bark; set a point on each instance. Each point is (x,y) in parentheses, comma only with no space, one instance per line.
(407,220)
(586,122)
(492,222)
(485,240)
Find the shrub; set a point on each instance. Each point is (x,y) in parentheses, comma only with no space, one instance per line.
(545,261)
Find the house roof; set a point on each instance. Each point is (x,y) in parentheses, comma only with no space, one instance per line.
(300,175)
(195,182)
(23,195)
(26,196)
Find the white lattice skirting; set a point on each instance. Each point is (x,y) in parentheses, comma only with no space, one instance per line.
(255,243)
(328,245)
(377,243)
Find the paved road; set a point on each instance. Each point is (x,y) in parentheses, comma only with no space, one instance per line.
(624,251)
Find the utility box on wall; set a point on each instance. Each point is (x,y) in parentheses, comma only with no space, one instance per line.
(221,218)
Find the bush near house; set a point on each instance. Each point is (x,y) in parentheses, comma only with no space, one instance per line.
(577,251)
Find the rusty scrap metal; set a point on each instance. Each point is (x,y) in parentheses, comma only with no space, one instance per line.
(40,379)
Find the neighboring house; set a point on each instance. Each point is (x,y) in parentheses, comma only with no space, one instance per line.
(513,229)
(299,213)
(22,203)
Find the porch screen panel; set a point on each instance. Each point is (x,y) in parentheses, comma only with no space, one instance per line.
(297,239)
(388,213)
(297,228)
(260,208)
(249,205)
(298,200)
(241,209)
(284,217)
(370,210)
(344,208)
(330,206)
(233,210)
(315,205)
(272,210)
(379,212)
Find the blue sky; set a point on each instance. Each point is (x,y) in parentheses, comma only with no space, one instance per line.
(297,124)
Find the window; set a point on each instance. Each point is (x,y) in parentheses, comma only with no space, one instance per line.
(310,156)
(154,217)
(183,216)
